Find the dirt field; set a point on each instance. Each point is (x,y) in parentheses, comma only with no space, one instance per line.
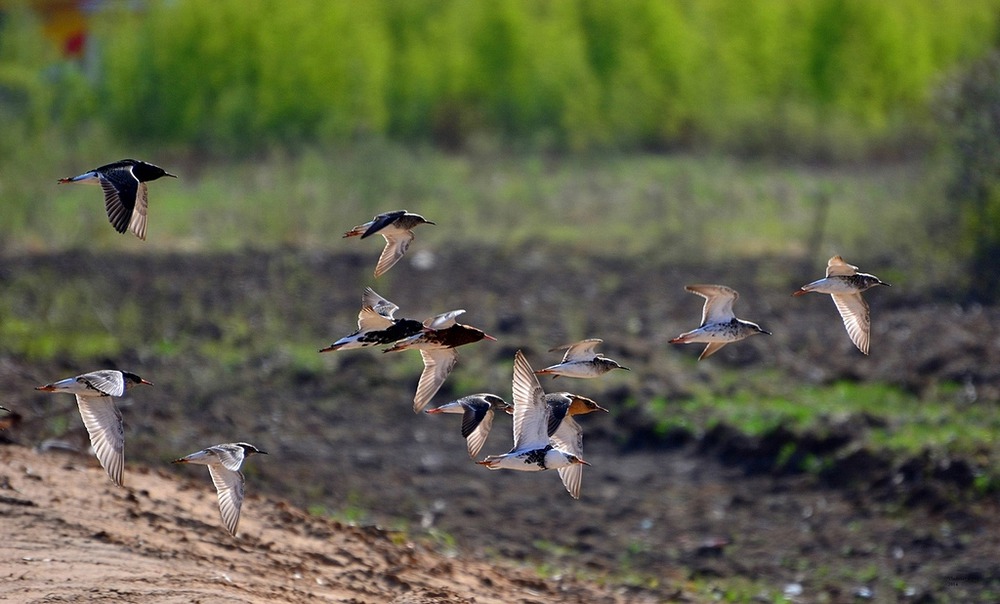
(669,513)
(69,539)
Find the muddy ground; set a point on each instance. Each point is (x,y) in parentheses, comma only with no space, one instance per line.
(228,339)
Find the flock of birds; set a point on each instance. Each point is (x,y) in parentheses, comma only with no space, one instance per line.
(545,434)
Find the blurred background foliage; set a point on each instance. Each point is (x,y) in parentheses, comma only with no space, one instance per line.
(257,89)
(821,78)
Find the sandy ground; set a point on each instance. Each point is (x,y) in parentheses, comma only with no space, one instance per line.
(71,536)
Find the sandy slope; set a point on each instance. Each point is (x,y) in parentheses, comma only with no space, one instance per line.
(71,536)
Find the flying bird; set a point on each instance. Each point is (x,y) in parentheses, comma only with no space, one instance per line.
(844,284)
(533,450)
(566,404)
(12,419)
(224,462)
(562,404)
(477,417)
(102,418)
(436,343)
(377,325)
(397,229)
(124,184)
(719,326)
(580,361)
(566,434)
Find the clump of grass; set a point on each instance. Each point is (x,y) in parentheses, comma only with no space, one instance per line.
(901,424)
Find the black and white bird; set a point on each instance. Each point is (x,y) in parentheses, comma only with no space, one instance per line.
(844,284)
(125,197)
(437,342)
(224,462)
(102,418)
(533,450)
(477,417)
(719,326)
(397,229)
(377,325)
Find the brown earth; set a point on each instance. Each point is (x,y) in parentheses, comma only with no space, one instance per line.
(670,513)
(68,538)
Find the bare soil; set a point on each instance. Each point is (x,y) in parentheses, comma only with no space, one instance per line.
(661,515)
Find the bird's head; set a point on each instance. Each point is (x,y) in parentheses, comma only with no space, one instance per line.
(132,379)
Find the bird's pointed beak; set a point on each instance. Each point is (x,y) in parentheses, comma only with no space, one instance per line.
(146,382)
(766,333)
(433,411)
(489,337)
(625,368)
(46,388)
(181,460)
(262,452)
(584,462)
(170,175)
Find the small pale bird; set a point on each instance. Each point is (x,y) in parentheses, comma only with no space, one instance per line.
(377,325)
(533,450)
(844,284)
(397,229)
(124,184)
(719,326)
(477,417)
(102,418)
(224,463)
(437,343)
(580,361)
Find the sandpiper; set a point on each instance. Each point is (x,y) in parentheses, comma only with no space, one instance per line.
(124,184)
(719,326)
(566,434)
(102,418)
(397,229)
(12,419)
(565,404)
(844,284)
(533,450)
(224,462)
(580,361)
(562,404)
(377,325)
(436,343)
(477,417)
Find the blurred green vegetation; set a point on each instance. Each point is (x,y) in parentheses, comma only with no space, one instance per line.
(969,107)
(875,418)
(833,78)
(288,123)
(942,422)
(665,208)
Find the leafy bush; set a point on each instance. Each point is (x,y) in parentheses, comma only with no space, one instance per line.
(836,76)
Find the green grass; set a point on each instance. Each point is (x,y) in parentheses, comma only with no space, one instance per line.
(826,77)
(666,208)
(943,423)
